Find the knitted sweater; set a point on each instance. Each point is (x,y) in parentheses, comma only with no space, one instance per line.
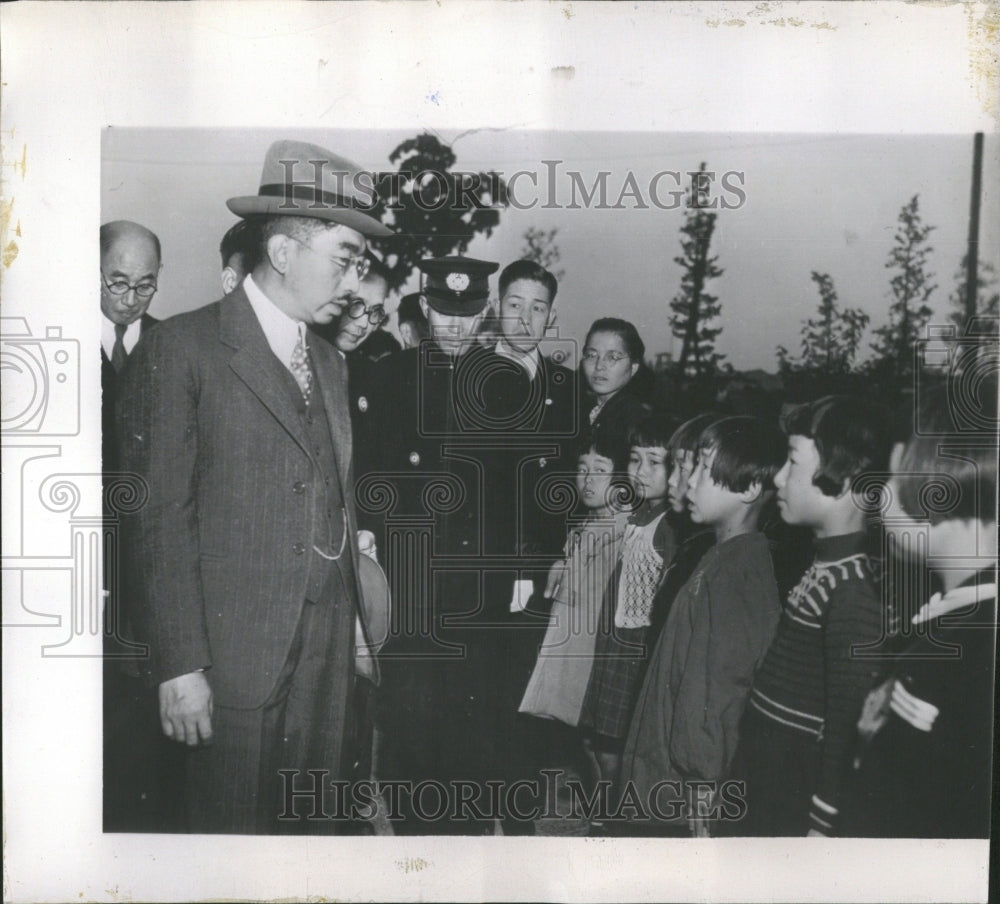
(810,681)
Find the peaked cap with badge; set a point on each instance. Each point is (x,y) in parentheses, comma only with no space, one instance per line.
(304,180)
(457,286)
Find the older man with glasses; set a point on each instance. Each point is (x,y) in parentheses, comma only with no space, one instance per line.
(130,268)
(140,769)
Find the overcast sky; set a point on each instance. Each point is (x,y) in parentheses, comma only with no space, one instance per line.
(812,202)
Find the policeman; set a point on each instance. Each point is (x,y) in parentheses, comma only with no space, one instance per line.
(463,441)
(427,487)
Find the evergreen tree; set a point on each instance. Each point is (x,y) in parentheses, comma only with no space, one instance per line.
(830,342)
(434,211)
(694,308)
(911,287)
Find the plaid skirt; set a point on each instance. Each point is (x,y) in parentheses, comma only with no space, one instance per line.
(620,658)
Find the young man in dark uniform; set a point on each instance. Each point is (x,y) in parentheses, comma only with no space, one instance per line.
(533,402)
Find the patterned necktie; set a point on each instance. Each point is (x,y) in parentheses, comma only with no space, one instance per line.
(118,353)
(300,364)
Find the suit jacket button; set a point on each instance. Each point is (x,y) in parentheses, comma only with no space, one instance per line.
(299,548)
(298,487)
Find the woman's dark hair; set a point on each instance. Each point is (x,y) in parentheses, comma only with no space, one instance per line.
(747,450)
(643,383)
(954,439)
(851,437)
(625,331)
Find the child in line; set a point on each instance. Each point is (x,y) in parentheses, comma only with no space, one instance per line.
(797,737)
(693,540)
(577,583)
(686,720)
(926,771)
(620,652)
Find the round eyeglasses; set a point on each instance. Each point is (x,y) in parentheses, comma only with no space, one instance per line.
(360,263)
(376,314)
(121,287)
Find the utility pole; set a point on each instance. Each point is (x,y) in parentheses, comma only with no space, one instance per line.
(972,257)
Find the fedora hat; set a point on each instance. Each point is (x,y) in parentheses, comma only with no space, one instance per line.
(304,180)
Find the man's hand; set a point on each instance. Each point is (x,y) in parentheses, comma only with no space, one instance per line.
(186,709)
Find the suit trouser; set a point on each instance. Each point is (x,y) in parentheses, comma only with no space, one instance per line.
(235,784)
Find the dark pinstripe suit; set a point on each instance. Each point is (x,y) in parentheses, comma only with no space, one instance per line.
(222,550)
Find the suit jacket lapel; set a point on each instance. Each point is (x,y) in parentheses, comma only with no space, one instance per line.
(255,364)
(331,373)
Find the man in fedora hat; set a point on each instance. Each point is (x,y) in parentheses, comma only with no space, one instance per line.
(237,420)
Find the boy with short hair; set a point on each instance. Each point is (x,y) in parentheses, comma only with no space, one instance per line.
(685,724)
(798,734)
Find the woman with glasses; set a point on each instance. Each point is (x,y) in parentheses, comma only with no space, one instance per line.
(617,380)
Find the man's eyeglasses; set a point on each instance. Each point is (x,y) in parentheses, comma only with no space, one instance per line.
(376,314)
(121,287)
(358,261)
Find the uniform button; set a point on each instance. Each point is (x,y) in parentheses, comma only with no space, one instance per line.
(298,487)
(299,548)
(542,462)
(362,404)
(414,458)
(548,401)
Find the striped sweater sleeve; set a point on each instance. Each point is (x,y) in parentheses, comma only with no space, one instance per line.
(854,618)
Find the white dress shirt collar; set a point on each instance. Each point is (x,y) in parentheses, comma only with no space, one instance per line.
(528,361)
(280,330)
(132,333)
